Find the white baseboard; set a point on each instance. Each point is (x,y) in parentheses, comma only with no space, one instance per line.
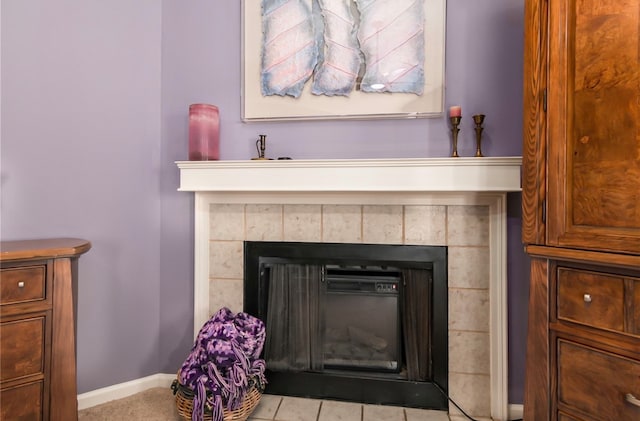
(516,412)
(122,390)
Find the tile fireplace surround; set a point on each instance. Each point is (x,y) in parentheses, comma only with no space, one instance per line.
(456,202)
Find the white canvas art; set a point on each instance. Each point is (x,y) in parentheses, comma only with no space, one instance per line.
(307,59)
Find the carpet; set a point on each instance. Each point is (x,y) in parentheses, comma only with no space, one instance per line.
(157,404)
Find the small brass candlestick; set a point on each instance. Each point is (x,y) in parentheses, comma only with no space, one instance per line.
(478,119)
(455,122)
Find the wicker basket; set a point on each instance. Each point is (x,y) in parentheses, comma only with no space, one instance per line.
(184,403)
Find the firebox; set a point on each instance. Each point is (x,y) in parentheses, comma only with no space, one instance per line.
(362,319)
(355,322)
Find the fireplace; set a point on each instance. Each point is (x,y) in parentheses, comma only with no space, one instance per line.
(459,203)
(356,322)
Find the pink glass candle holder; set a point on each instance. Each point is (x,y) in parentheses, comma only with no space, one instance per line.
(204,132)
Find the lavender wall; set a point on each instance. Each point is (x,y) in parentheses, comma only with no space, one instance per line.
(110,84)
(81,157)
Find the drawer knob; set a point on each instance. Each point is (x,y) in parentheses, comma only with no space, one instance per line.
(632,399)
(21,284)
(587,298)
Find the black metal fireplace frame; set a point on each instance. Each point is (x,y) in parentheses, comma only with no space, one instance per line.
(357,387)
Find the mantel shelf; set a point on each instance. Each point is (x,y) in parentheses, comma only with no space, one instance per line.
(485,174)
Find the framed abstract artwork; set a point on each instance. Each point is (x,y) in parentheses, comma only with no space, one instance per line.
(342,59)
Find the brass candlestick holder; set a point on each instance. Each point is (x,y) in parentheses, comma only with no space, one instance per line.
(478,119)
(455,122)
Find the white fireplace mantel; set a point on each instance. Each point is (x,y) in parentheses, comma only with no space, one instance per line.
(500,174)
(424,181)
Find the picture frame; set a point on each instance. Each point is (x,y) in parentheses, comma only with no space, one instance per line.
(356,104)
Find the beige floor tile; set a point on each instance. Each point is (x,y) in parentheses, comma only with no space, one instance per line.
(298,409)
(463,418)
(340,411)
(414,414)
(382,413)
(267,407)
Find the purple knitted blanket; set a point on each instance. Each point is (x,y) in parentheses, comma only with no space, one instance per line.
(223,363)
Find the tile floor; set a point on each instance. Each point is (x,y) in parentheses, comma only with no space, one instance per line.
(286,408)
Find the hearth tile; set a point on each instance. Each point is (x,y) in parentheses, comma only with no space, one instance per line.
(226,222)
(302,223)
(468,225)
(425,225)
(469,309)
(340,411)
(382,413)
(472,392)
(469,267)
(341,224)
(225,259)
(298,409)
(382,224)
(463,418)
(425,415)
(267,407)
(225,293)
(264,222)
(469,352)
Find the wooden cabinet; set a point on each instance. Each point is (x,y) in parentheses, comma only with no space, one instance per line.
(37,329)
(581,208)
(581,152)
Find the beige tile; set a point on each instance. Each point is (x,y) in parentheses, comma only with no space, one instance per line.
(264,222)
(341,224)
(414,414)
(302,223)
(382,224)
(382,413)
(267,407)
(469,352)
(298,409)
(463,418)
(425,225)
(472,392)
(468,225)
(225,259)
(225,293)
(340,411)
(469,309)
(469,267)
(226,222)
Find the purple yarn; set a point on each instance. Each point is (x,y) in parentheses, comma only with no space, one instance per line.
(223,360)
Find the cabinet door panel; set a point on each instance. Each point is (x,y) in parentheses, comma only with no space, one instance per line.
(594,134)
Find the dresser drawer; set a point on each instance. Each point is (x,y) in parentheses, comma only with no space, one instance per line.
(22,284)
(22,348)
(591,298)
(597,382)
(24,402)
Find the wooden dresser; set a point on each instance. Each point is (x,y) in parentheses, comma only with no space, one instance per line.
(581,209)
(37,329)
